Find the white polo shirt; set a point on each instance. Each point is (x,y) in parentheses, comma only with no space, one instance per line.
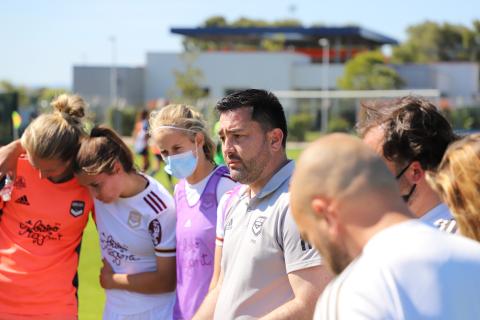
(261,246)
(408,271)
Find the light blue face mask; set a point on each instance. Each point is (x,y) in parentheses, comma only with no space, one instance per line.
(181,165)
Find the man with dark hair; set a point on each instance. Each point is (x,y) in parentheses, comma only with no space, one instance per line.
(411,135)
(267,269)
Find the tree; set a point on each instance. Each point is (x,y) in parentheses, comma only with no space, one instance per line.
(23,96)
(368,71)
(432,42)
(275,43)
(188,87)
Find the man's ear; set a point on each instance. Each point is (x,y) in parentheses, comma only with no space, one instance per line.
(275,139)
(322,208)
(415,173)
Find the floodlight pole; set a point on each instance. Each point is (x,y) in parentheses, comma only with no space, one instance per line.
(325,44)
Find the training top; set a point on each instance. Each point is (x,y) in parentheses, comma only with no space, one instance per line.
(407,271)
(196,224)
(40,233)
(262,245)
(134,231)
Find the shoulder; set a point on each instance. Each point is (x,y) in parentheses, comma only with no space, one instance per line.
(157,197)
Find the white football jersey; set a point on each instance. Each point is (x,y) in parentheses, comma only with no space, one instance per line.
(133,232)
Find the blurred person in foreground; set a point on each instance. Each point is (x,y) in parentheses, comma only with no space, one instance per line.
(389,266)
(267,270)
(457,181)
(411,136)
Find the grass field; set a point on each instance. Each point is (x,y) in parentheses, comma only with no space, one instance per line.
(91,295)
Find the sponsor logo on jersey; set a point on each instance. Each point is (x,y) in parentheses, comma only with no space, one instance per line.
(134,219)
(257,225)
(155,230)
(23,200)
(76,208)
(40,232)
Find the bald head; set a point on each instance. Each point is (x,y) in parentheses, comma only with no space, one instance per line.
(338,166)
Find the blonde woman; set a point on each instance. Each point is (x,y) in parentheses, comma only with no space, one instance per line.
(188,151)
(41,226)
(457,181)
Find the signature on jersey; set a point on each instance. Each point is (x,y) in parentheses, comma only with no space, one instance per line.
(39,231)
(116,250)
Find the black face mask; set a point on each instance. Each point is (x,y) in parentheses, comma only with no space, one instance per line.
(407,196)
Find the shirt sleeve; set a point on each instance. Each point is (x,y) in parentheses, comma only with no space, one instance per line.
(223,198)
(161,228)
(298,253)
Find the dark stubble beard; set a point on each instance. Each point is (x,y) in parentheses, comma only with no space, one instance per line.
(253,168)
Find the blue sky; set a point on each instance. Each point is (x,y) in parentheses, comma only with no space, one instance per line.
(43,39)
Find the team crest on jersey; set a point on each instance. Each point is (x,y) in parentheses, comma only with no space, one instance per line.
(134,219)
(257,225)
(76,208)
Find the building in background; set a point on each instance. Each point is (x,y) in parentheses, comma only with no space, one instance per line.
(298,65)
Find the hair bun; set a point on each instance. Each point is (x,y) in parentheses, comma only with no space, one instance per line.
(72,105)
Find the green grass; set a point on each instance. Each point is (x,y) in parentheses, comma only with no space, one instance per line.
(91,295)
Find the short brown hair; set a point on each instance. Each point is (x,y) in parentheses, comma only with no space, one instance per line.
(414,130)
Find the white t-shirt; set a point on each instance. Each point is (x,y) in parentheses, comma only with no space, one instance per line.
(133,232)
(408,271)
(440,218)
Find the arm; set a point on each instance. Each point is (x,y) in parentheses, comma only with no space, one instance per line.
(207,308)
(216,267)
(307,285)
(8,158)
(161,281)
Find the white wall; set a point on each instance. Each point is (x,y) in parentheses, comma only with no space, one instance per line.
(224,70)
(310,76)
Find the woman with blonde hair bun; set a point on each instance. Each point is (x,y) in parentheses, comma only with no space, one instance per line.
(42,223)
(457,181)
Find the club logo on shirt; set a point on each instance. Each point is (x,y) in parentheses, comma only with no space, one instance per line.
(155,230)
(257,225)
(134,219)
(76,208)
(229,224)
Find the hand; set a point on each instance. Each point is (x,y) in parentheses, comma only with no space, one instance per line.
(106,275)
(8,159)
